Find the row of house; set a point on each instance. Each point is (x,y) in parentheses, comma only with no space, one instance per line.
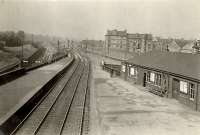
(141,43)
(123,45)
(192,47)
(169,74)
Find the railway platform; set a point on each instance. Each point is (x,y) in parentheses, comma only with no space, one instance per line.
(16,93)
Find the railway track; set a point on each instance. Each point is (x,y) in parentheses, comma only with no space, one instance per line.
(65,109)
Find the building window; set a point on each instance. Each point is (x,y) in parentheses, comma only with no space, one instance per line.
(148,77)
(191,91)
(132,71)
(183,87)
(123,68)
(152,77)
(158,79)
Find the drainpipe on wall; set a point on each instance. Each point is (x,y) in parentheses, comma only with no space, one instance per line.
(197,96)
(168,85)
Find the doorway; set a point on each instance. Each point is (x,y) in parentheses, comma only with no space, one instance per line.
(175,87)
(144,80)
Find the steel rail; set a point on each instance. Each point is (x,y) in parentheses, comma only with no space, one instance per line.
(73,68)
(74,118)
(85,120)
(70,99)
(73,96)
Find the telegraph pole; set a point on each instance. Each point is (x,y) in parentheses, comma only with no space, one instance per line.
(58,46)
(108,45)
(68,43)
(32,39)
(22,52)
(127,48)
(86,47)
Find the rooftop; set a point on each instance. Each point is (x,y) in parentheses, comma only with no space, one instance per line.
(174,47)
(129,35)
(116,33)
(178,63)
(137,35)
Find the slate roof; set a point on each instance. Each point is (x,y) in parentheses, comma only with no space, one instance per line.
(174,47)
(178,63)
(188,48)
(182,42)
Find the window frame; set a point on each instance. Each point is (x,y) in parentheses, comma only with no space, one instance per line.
(158,79)
(183,87)
(152,73)
(134,71)
(123,68)
(191,91)
(148,76)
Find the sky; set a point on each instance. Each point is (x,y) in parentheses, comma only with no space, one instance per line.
(90,19)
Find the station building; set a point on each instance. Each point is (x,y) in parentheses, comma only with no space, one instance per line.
(167,74)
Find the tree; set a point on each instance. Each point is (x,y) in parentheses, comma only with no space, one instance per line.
(21,36)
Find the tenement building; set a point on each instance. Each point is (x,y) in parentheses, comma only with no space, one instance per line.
(125,42)
(168,74)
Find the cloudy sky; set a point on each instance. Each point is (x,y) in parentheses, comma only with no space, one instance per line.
(90,19)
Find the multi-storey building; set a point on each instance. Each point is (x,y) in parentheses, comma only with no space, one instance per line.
(116,39)
(121,40)
(139,42)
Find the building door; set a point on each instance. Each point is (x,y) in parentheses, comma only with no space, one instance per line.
(144,80)
(175,88)
(165,83)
